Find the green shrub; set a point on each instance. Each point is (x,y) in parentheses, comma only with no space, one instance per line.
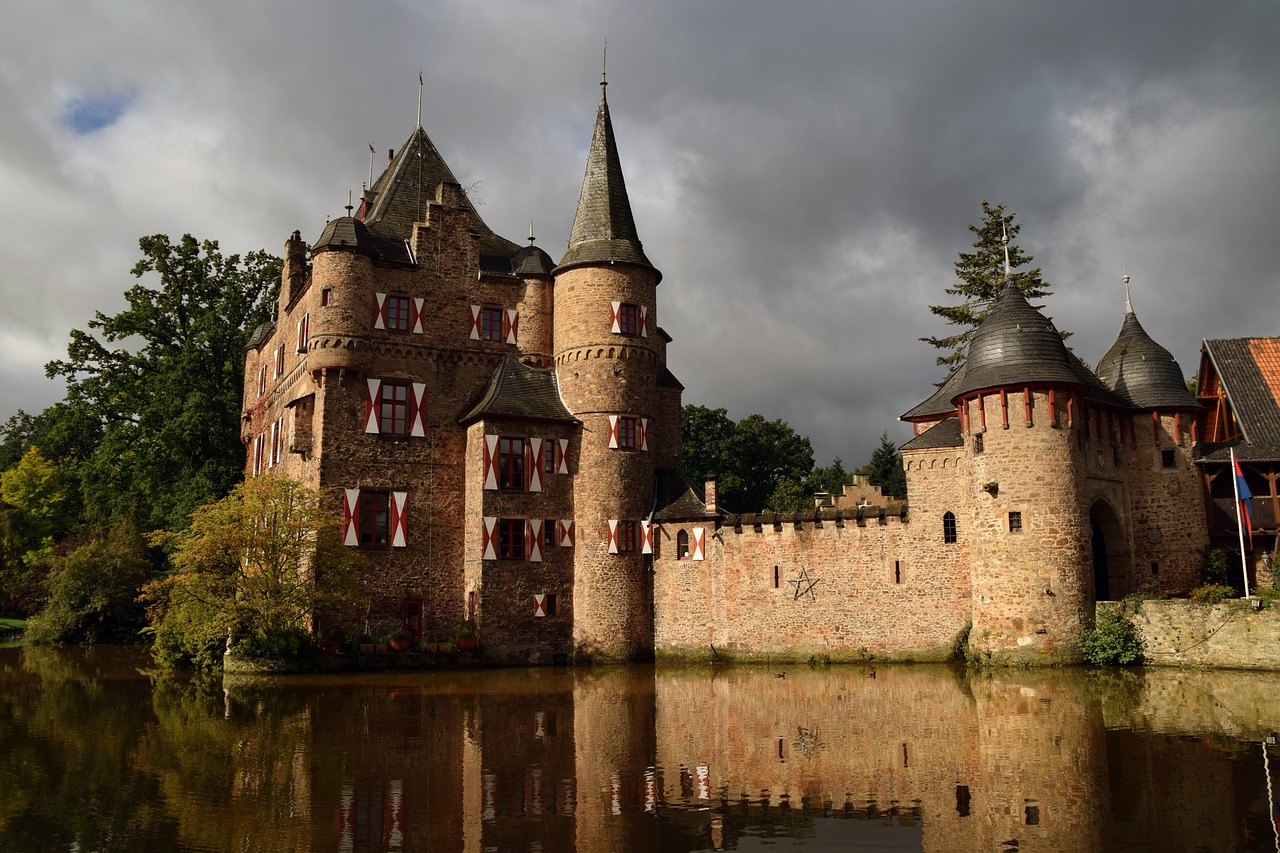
(1112,641)
(1212,593)
(279,644)
(1213,568)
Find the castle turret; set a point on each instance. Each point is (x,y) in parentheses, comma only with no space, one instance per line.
(607,357)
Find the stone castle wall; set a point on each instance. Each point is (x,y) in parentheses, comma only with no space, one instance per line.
(834,586)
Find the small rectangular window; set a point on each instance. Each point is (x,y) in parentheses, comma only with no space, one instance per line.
(962,800)
(1168,458)
(511,539)
(626,537)
(627,433)
(511,463)
(393,402)
(396,313)
(549,532)
(549,604)
(326,296)
(977,443)
(628,319)
(1155,569)
(374,517)
(262,381)
(1015,522)
(549,456)
(491,323)
(776,578)
(1033,815)
(897,578)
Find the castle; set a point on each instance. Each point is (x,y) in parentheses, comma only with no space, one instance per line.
(500,433)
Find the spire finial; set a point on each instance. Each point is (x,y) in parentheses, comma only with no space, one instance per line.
(1004,240)
(531,237)
(419,98)
(350,207)
(604,67)
(1128,303)
(371,153)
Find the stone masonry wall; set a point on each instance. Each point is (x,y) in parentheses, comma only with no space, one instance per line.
(1180,632)
(833,587)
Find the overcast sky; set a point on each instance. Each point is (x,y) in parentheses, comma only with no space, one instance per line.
(802,173)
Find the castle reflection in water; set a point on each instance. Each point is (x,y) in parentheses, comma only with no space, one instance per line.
(638,759)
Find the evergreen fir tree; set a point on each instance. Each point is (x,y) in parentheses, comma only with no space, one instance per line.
(981,276)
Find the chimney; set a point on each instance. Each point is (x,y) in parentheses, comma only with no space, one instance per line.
(293,276)
(711,496)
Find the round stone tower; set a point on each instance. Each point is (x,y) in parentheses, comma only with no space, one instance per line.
(342,273)
(1019,400)
(606,355)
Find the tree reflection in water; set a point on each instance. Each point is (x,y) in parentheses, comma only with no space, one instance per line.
(102,753)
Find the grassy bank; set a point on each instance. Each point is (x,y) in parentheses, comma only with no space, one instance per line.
(11,630)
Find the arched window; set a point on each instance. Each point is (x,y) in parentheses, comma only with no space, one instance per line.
(949,528)
(682,545)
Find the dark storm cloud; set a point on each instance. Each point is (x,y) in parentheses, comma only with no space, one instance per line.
(803,174)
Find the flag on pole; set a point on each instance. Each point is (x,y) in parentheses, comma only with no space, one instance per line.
(1243,498)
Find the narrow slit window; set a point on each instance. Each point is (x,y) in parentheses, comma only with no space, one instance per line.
(1015,522)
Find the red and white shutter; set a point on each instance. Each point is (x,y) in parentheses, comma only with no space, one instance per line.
(372,413)
(510,325)
(562,456)
(642,438)
(417,315)
(646,537)
(615,317)
(302,335)
(697,543)
(475,323)
(613,536)
(564,533)
(271,455)
(379,310)
(279,451)
(533,536)
(644,321)
(540,609)
(613,431)
(491,462)
(489,545)
(535,464)
(350,505)
(399,513)
(418,410)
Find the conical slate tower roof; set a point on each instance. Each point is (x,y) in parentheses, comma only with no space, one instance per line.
(1141,371)
(1015,344)
(603,228)
(400,195)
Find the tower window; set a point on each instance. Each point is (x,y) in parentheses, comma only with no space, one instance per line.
(897,571)
(682,546)
(977,443)
(549,456)
(511,539)
(396,313)
(375,517)
(949,528)
(326,296)
(549,604)
(511,463)
(490,323)
(549,532)
(393,414)
(1015,522)
(1168,458)
(628,319)
(627,433)
(626,537)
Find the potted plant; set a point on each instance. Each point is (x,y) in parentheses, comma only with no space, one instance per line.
(466,638)
(401,641)
(366,644)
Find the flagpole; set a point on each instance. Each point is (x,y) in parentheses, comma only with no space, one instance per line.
(1235,485)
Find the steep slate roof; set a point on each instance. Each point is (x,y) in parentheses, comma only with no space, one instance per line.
(520,391)
(261,335)
(1249,370)
(667,379)
(945,433)
(1142,372)
(603,227)
(349,233)
(532,261)
(1015,345)
(676,497)
(399,198)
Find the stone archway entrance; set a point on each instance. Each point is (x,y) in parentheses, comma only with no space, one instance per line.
(1110,555)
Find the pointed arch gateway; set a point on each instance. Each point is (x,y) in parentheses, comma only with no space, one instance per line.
(1111,579)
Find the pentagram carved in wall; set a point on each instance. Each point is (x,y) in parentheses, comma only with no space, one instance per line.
(804,585)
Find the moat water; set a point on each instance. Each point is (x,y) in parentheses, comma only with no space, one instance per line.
(98,752)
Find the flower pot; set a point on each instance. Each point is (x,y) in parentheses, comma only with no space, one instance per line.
(366,648)
(401,645)
(465,644)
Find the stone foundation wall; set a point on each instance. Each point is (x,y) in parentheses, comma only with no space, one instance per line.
(1186,633)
